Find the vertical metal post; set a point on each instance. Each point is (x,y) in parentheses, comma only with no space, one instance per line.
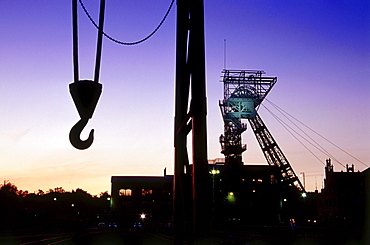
(190,72)
(181,109)
(304,179)
(200,182)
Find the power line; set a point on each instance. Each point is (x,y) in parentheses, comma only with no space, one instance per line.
(128,43)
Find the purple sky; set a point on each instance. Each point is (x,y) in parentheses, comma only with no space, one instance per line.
(318,49)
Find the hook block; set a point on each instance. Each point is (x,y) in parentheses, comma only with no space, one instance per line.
(85,94)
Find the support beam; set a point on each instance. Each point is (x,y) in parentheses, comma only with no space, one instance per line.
(190,198)
(274,155)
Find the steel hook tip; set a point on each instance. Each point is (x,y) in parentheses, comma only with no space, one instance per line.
(75,133)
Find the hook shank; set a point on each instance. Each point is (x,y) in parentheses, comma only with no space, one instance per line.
(75,133)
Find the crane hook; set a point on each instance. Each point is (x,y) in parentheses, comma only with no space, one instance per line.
(74,135)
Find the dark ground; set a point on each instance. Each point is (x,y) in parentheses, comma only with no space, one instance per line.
(250,236)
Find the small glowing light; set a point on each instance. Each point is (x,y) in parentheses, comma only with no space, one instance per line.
(142,216)
(72,205)
(108,198)
(254,190)
(215,171)
(55,198)
(285,200)
(314,221)
(231,197)
(304,194)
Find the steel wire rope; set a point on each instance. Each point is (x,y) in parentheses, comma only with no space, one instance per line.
(313,140)
(322,150)
(286,126)
(349,154)
(128,43)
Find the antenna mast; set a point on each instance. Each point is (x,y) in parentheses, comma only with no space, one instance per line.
(224,54)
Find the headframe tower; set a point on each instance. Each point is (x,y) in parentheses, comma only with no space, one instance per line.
(244,91)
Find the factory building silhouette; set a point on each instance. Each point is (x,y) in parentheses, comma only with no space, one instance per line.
(245,197)
(252,195)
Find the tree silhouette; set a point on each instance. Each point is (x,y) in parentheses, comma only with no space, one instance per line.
(55,210)
(8,187)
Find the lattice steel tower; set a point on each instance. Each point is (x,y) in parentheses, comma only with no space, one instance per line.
(244,91)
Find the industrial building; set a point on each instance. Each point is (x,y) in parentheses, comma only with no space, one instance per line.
(139,199)
(241,195)
(342,201)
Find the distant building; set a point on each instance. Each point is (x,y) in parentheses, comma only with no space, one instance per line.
(141,199)
(342,201)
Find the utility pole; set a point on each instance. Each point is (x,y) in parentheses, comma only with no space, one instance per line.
(191,211)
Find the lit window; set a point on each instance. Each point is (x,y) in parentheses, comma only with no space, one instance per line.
(125,192)
(145,192)
(259,180)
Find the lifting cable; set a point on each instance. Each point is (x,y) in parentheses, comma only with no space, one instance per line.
(317,146)
(286,128)
(284,113)
(128,43)
(85,93)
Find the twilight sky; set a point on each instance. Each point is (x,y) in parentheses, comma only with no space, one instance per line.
(318,49)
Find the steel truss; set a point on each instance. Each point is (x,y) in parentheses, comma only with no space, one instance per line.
(273,154)
(244,90)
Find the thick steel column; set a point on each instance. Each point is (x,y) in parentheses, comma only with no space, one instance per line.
(201,205)
(181,109)
(190,198)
